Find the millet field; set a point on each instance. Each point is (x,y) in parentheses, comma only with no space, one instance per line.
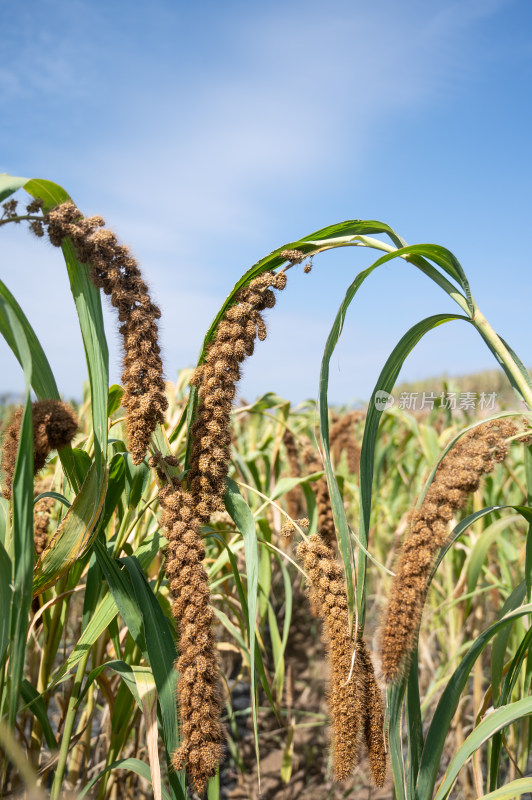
(201,597)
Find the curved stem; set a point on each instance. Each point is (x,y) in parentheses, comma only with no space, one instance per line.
(503,355)
(23,218)
(421,264)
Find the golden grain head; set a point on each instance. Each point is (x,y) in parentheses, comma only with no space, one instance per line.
(460,473)
(54,426)
(114,270)
(347,695)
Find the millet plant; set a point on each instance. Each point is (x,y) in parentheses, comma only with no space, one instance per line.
(161,522)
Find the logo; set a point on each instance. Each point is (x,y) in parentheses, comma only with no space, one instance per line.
(383,400)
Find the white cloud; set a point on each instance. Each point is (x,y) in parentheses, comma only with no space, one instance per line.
(199,166)
(301,99)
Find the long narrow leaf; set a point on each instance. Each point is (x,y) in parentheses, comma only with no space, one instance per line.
(510,790)
(34,701)
(413,721)
(162,655)
(122,591)
(439,727)
(22,492)
(5,600)
(106,611)
(395,695)
(484,730)
(75,533)
(243,518)
(385,383)
(132,764)
(9,184)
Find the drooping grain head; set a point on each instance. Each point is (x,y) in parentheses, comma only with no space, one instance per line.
(459,474)
(113,269)
(9,451)
(199,698)
(216,380)
(185,509)
(374,735)
(293,256)
(354,698)
(54,426)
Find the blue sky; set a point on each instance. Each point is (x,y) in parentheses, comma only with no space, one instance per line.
(208,134)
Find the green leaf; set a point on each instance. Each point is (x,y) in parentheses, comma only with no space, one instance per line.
(441,720)
(132,764)
(396,693)
(75,533)
(122,591)
(462,526)
(277,653)
(241,515)
(23,555)
(339,235)
(35,703)
(9,185)
(83,463)
(136,477)
(213,786)
(510,680)
(528,556)
(106,611)
(498,652)
(385,384)
(5,522)
(115,487)
(284,485)
(287,616)
(413,722)
(42,378)
(510,790)
(125,671)
(228,555)
(231,627)
(22,493)
(114,399)
(342,234)
(484,730)
(490,534)
(504,364)
(5,600)
(416,254)
(420,256)
(161,651)
(53,496)
(288,755)
(94,588)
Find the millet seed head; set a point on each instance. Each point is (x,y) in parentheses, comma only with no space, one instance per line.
(54,426)
(460,473)
(114,270)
